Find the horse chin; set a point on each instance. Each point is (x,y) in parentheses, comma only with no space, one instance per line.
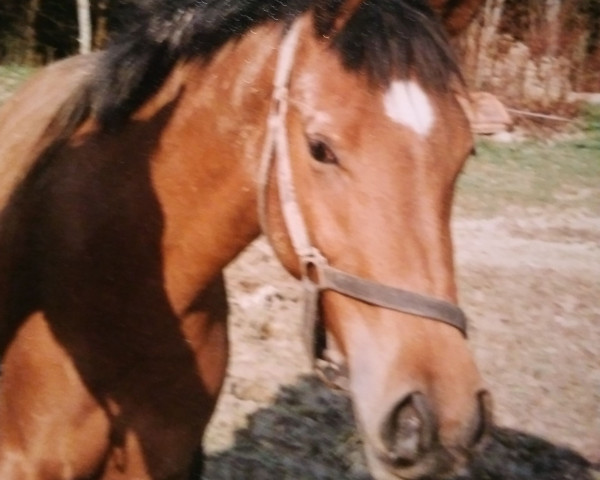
(439,464)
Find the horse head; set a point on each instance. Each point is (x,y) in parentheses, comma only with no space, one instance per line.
(374,151)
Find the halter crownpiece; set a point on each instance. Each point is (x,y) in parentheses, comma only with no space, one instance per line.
(316,273)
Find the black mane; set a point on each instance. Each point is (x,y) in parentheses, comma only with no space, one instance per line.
(385,39)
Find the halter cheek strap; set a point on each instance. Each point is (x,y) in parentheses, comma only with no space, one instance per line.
(316,274)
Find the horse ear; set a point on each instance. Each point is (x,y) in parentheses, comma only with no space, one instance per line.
(456,14)
(330,17)
(466,103)
(486,114)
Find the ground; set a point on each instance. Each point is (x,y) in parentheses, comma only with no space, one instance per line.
(527,247)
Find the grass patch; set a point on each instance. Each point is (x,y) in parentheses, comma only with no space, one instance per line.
(591,119)
(560,174)
(11,76)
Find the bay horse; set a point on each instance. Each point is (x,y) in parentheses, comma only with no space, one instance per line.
(131,177)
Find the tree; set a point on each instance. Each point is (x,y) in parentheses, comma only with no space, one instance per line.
(456,14)
(29,36)
(534,53)
(84,22)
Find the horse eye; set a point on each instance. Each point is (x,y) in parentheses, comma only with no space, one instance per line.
(322,153)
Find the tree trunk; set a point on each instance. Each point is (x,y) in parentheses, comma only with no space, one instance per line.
(101,27)
(532,53)
(553,21)
(84,22)
(29,37)
(456,14)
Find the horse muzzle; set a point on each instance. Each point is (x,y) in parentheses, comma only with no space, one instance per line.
(411,445)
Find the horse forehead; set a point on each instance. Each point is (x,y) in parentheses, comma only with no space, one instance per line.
(407,104)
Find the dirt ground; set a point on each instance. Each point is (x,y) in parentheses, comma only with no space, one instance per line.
(530,283)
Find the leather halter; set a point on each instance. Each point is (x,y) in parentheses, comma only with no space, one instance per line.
(316,274)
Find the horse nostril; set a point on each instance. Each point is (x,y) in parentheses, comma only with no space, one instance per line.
(409,430)
(484,418)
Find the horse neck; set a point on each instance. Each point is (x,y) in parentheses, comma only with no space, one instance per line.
(205,168)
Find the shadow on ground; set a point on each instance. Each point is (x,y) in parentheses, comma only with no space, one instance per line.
(308,433)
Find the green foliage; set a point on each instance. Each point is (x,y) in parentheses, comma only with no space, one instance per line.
(11,76)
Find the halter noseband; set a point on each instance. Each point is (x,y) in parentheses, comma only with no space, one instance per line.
(316,274)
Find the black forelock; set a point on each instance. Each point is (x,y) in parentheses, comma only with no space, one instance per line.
(385,39)
(396,39)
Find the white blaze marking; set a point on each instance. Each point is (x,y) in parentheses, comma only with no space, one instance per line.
(407,104)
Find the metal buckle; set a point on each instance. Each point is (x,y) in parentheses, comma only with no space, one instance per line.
(312,264)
